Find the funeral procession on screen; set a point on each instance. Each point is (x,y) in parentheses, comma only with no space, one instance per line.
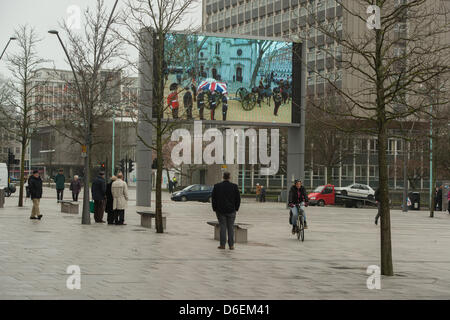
(232,79)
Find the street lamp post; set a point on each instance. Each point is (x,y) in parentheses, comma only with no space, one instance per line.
(431,162)
(10,39)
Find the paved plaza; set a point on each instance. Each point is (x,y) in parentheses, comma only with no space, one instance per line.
(131,262)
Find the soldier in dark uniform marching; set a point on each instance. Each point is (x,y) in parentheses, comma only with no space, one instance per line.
(212,103)
(201,103)
(224,107)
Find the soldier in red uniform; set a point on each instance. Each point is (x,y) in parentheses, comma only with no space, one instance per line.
(172,102)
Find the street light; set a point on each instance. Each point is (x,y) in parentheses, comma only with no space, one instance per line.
(10,39)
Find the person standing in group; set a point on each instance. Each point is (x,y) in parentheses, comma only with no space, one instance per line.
(224,107)
(172,101)
(201,103)
(59,179)
(438,200)
(75,187)
(187,101)
(377,199)
(448,199)
(35,187)
(110,201)
(258,192)
(277,99)
(119,192)
(99,195)
(263,194)
(226,201)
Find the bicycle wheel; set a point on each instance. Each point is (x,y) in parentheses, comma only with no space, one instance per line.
(300,228)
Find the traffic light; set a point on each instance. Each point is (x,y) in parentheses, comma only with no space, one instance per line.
(11,158)
(155,164)
(122,165)
(102,165)
(130,165)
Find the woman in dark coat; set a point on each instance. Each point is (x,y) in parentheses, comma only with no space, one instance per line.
(75,186)
(109,201)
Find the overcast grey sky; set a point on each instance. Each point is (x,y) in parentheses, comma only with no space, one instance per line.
(45,15)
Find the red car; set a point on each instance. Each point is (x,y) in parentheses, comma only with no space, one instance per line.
(322,195)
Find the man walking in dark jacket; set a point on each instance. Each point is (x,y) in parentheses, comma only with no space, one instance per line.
(225,203)
(59,179)
(99,196)
(35,186)
(377,199)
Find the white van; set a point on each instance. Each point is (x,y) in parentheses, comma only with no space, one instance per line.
(3,176)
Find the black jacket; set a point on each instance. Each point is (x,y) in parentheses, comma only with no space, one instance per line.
(35,185)
(187,99)
(98,189)
(225,197)
(377,195)
(109,198)
(295,197)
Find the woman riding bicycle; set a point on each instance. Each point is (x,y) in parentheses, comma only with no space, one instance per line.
(297,195)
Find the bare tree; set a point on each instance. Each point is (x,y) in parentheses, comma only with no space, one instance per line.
(144,20)
(20,103)
(95,59)
(384,68)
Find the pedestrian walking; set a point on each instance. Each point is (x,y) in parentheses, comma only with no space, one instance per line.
(438,200)
(377,199)
(170,186)
(60,180)
(99,195)
(258,192)
(201,103)
(110,201)
(263,194)
(75,187)
(226,201)
(224,107)
(119,190)
(35,187)
(174,182)
(187,102)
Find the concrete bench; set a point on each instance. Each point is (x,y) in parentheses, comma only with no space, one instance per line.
(240,231)
(147,216)
(69,207)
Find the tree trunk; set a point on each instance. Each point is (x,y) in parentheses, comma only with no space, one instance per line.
(22,170)
(385,229)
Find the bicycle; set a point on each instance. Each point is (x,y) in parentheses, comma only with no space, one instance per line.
(300,230)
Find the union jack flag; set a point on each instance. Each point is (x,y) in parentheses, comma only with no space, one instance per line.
(213,86)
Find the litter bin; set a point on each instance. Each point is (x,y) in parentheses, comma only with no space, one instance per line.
(91,206)
(414,197)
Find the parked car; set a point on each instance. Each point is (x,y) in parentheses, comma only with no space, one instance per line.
(322,195)
(195,192)
(357,190)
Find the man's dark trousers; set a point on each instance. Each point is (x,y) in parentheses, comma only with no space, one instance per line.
(226,222)
(99,210)
(59,194)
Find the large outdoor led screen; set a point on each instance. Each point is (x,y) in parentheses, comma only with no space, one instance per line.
(225,78)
